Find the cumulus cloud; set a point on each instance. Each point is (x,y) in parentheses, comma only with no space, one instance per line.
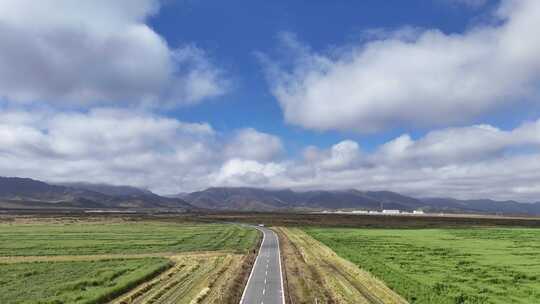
(253,145)
(461,145)
(469,162)
(119,146)
(241,172)
(94,53)
(479,161)
(343,155)
(97,52)
(106,145)
(423,78)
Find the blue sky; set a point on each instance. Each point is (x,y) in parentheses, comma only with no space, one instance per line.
(233,32)
(424,97)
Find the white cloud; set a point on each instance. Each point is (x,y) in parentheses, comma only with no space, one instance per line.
(107,145)
(237,172)
(460,145)
(470,162)
(425,78)
(103,52)
(166,155)
(97,52)
(341,156)
(119,146)
(253,145)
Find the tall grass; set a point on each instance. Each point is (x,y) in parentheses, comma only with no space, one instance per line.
(446,266)
(88,282)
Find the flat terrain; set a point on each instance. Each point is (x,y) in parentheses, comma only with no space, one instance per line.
(476,265)
(127,237)
(206,278)
(373,221)
(315,274)
(96,260)
(73,282)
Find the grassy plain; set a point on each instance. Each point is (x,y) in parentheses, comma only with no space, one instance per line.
(69,260)
(315,274)
(454,266)
(73,282)
(83,238)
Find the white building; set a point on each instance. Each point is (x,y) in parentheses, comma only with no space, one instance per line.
(418,212)
(390,211)
(360,211)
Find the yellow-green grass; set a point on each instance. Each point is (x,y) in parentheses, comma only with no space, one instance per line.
(35,239)
(194,278)
(74,282)
(477,265)
(94,261)
(315,274)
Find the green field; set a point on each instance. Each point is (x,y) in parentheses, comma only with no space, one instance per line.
(90,261)
(120,238)
(477,265)
(73,282)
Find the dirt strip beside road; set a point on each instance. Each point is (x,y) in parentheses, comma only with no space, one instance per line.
(315,274)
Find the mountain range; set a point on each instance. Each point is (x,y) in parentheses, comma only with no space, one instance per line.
(254,199)
(25,193)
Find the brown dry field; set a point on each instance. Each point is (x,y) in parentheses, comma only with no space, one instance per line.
(315,274)
(289,219)
(194,278)
(372,221)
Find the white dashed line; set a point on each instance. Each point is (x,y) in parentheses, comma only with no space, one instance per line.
(277,290)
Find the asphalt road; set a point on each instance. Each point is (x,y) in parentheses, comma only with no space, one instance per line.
(265,283)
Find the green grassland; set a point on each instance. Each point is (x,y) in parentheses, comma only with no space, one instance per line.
(120,238)
(454,266)
(91,261)
(73,282)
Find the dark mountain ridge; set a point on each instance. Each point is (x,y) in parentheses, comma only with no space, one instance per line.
(109,189)
(26,193)
(483,206)
(256,199)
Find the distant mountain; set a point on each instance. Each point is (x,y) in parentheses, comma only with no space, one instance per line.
(482,206)
(19,189)
(255,199)
(109,189)
(24,193)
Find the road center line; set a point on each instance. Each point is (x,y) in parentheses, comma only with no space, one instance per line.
(252,291)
